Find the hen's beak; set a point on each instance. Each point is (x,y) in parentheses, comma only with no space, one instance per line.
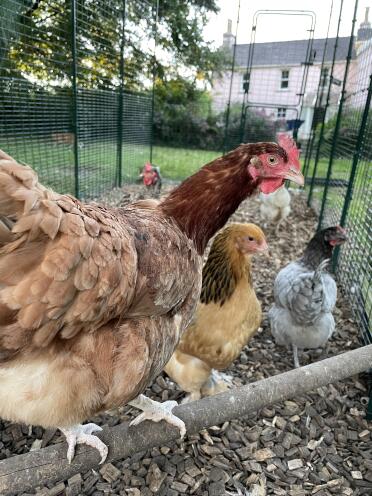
(263,246)
(341,234)
(294,175)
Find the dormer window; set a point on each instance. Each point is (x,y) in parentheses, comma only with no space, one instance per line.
(284,82)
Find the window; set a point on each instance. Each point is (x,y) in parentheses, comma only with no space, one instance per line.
(324,77)
(281,112)
(246,81)
(284,83)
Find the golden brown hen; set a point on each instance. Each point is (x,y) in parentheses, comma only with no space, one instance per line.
(227,316)
(87,319)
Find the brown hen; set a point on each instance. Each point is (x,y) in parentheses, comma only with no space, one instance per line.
(227,316)
(87,320)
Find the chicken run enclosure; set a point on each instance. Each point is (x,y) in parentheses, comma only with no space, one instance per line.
(77,103)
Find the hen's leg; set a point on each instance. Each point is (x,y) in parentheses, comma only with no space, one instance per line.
(82,434)
(279,223)
(221,376)
(155,411)
(218,382)
(295,356)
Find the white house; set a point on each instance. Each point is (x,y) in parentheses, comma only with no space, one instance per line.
(275,84)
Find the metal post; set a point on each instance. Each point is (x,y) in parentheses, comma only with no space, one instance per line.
(356,156)
(339,115)
(320,142)
(119,151)
(155,30)
(227,119)
(308,62)
(318,100)
(75,113)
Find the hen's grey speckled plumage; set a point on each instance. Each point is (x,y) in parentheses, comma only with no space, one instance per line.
(304,300)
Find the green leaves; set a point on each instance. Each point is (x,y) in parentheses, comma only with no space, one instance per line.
(36,41)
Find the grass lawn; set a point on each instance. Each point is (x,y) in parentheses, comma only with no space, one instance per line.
(179,163)
(98,168)
(98,165)
(341,167)
(55,166)
(340,170)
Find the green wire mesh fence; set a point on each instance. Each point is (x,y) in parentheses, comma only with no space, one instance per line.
(338,166)
(320,91)
(76,91)
(77,103)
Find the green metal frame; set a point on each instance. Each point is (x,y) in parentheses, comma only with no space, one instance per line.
(307,63)
(321,136)
(75,114)
(155,34)
(319,97)
(361,140)
(339,115)
(227,118)
(119,156)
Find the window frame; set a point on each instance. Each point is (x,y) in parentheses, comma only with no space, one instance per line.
(284,79)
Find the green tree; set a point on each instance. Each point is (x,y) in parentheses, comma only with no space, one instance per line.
(39,44)
(183,115)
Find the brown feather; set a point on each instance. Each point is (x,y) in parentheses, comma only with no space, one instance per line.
(89,315)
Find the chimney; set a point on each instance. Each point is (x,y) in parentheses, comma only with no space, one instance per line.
(365,29)
(228,37)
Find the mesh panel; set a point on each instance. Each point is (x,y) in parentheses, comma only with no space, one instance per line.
(270,80)
(339,170)
(75,90)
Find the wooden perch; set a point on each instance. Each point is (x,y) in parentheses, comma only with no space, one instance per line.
(36,468)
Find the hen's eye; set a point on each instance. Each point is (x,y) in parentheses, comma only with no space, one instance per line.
(250,238)
(272,160)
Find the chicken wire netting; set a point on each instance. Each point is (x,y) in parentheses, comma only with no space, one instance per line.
(318,89)
(338,167)
(76,89)
(268,83)
(77,103)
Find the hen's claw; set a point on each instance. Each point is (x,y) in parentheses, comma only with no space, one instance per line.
(82,434)
(155,411)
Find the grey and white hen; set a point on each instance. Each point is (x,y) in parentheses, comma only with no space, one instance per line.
(305,295)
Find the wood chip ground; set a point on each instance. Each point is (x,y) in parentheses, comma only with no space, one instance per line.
(317,444)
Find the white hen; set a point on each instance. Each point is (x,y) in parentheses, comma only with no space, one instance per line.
(305,295)
(275,207)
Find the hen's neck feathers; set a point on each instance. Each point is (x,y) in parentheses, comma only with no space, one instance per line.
(316,251)
(224,269)
(202,204)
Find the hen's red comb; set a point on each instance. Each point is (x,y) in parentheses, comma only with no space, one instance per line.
(290,147)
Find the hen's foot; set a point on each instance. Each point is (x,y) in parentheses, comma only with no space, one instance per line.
(155,411)
(82,434)
(194,396)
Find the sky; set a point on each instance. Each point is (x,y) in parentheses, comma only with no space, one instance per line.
(282,28)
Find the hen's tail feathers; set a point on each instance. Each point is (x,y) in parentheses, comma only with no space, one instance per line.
(318,271)
(25,205)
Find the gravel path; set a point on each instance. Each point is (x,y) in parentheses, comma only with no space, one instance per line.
(319,443)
